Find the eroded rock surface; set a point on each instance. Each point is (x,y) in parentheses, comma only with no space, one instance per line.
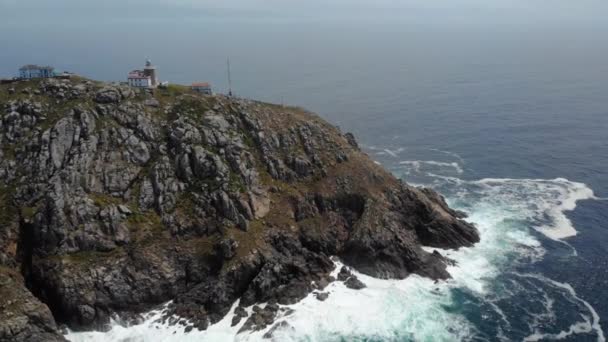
(115,201)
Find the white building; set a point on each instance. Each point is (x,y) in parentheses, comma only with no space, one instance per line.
(138,79)
(203,88)
(146,78)
(35,71)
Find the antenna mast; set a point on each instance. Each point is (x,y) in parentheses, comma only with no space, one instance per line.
(229,78)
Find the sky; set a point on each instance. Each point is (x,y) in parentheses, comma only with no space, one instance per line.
(102,38)
(593,11)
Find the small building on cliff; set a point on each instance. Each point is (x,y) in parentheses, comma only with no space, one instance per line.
(31,71)
(146,78)
(202,87)
(138,79)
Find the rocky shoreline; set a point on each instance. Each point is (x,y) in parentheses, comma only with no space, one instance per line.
(115,201)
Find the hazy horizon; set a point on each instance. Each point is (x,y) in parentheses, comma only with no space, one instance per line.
(105,39)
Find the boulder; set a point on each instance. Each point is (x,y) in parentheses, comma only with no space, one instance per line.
(321,296)
(108,95)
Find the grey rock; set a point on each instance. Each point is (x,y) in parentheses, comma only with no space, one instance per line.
(344,274)
(152,102)
(322,296)
(124,209)
(239,314)
(23,317)
(281,326)
(351,140)
(301,166)
(62,136)
(108,95)
(226,249)
(354,283)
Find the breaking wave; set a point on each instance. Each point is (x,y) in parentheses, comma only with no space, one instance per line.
(488,297)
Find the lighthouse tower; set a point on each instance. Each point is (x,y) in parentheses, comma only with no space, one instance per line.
(150,71)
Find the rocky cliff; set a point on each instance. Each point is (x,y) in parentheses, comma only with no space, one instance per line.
(113,201)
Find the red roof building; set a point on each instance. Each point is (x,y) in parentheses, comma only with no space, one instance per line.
(202,87)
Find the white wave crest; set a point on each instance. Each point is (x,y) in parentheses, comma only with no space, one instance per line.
(452,154)
(576,328)
(392,153)
(419,165)
(545,201)
(151,329)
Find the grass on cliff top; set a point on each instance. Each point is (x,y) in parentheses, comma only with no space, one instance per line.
(191,106)
(174,95)
(280,118)
(173,91)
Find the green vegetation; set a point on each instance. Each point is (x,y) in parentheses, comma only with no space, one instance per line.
(28,213)
(140,94)
(249,141)
(8,212)
(89,257)
(193,107)
(315,224)
(235,183)
(9,151)
(166,96)
(54,108)
(146,219)
(248,241)
(135,195)
(203,245)
(59,109)
(185,204)
(104,200)
(146,228)
(173,90)
(18,87)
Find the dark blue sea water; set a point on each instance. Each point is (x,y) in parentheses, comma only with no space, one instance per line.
(502,106)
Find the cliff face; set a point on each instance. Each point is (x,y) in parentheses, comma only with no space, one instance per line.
(114,201)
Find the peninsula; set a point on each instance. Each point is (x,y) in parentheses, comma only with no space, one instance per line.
(115,200)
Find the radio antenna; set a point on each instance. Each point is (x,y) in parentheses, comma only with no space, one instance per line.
(229,77)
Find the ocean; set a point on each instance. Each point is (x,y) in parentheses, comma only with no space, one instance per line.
(502,107)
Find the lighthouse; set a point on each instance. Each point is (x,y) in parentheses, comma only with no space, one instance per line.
(150,71)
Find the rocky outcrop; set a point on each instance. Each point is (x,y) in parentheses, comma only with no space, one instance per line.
(115,201)
(350,280)
(22,316)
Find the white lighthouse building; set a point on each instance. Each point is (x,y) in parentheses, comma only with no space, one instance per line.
(147,78)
